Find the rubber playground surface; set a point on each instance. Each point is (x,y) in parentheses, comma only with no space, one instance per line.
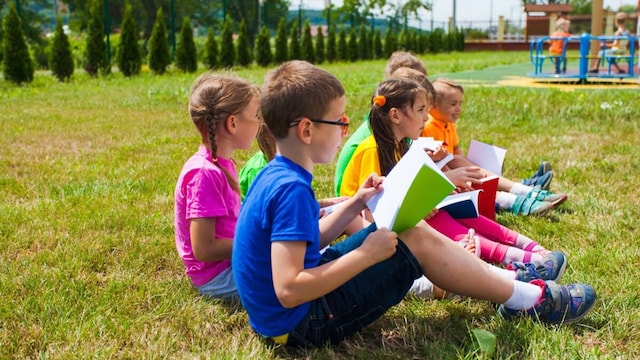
(516,75)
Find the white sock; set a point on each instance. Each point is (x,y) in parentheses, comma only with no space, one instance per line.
(422,287)
(505,200)
(520,189)
(524,296)
(508,274)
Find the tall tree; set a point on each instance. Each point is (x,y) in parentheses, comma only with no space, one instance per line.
(263,48)
(95,55)
(159,56)
(60,57)
(307,52)
(186,53)
(17,65)
(211,51)
(320,48)
(281,54)
(227,48)
(331,45)
(129,56)
(244,49)
(294,42)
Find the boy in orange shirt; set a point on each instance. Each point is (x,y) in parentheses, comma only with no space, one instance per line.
(515,197)
(557,45)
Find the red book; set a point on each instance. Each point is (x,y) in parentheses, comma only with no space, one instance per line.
(487,196)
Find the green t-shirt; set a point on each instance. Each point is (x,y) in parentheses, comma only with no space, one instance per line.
(363,132)
(249,172)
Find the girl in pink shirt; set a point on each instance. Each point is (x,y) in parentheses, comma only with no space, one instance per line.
(225,112)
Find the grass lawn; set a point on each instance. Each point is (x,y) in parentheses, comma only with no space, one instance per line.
(89,267)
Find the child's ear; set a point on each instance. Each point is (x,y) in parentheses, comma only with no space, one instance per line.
(231,124)
(394,115)
(304,131)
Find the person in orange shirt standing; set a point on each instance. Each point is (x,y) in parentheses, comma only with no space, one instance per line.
(557,45)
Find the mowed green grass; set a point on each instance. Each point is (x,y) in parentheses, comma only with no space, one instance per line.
(88,267)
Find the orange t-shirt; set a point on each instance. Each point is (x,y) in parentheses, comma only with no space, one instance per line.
(443,131)
(556,45)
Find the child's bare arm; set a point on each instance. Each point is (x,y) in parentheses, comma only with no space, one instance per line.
(205,245)
(295,285)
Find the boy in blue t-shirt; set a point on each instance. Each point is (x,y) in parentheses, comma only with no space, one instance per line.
(297,296)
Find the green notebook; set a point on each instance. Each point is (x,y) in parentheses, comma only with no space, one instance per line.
(411,190)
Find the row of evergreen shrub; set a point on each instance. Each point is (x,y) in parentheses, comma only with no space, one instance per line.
(350,44)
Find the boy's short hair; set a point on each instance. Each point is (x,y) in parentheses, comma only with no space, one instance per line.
(561,21)
(403,59)
(296,89)
(621,18)
(442,85)
(417,76)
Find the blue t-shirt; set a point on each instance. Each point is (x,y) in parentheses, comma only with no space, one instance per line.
(280,206)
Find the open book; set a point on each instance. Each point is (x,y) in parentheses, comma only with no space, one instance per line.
(430,144)
(486,156)
(487,197)
(410,191)
(461,205)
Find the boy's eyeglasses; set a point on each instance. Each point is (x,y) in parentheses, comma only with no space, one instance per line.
(343,122)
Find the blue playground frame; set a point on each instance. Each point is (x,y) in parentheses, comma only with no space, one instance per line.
(577,67)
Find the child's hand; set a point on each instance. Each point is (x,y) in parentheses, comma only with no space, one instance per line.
(463,177)
(331,201)
(371,186)
(380,245)
(438,154)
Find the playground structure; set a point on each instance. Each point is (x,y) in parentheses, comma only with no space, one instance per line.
(570,65)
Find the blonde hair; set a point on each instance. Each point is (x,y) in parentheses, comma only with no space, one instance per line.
(442,85)
(621,18)
(403,59)
(562,21)
(417,76)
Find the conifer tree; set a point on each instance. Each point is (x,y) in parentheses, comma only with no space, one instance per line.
(342,53)
(244,49)
(320,50)
(307,52)
(281,54)
(352,54)
(363,44)
(390,43)
(263,48)
(211,51)
(17,65)
(377,46)
(159,56)
(227,48)
(186,53)
(60,57)
(95,56)
(435,40)
(294,42)
(129,57)
(331,45)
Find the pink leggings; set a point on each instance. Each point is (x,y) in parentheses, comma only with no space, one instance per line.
(495,239)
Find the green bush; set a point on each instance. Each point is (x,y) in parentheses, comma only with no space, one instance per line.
(281,54)
(331,45)
(211,51)
(364,44)
(320,51)
(129,56)
(377,45)
(244,49)
(95,54)
(352,53)
(343,53)
(390,43)
(227,48)
(159,55)
(60,58)
(294,42)
(186,53)
(17,65)
(436,40)
(263,48)
(307,51)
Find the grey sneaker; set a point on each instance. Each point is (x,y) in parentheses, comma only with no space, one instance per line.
(559,304)
(551,267)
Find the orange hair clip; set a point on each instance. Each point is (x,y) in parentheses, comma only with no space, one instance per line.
(379,100)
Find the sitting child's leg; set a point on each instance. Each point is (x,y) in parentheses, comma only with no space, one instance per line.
(502,234)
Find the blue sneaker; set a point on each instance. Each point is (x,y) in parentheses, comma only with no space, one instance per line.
(541,178)
(544,195)
(551,267)
(559,304)
(530,205)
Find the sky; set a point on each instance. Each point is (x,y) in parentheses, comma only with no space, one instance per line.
(468,10)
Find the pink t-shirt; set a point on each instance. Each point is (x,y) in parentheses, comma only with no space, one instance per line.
(202,191)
